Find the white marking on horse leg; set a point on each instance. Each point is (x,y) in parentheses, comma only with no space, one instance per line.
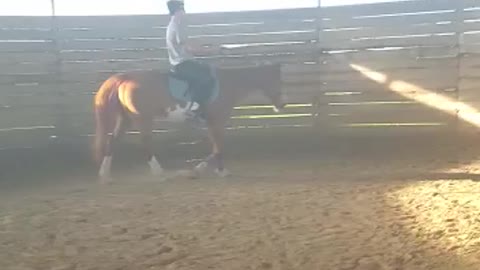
(105,170)
(222,173)
(177,115)
(193,105)
(155,167)
(279,104)
(202,167)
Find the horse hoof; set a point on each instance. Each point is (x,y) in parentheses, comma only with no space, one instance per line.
(157,171)
(185,174)
(155,167)
(193,175)
(202,167)
(105,180)
(222,173)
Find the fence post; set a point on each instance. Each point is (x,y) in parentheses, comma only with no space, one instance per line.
(319,21)
(460,51)
(316,99)
(60,108)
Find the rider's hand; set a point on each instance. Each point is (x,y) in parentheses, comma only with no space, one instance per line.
(213,49)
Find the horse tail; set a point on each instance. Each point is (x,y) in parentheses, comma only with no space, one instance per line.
(103,106)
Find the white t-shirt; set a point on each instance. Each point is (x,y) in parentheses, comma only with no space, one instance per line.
(176,38)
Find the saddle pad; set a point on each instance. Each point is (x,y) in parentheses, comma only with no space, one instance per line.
(178,90)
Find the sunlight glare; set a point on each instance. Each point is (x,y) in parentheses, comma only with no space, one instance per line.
(427,97)
(371,74)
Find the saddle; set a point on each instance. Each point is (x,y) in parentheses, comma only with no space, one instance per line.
(179,89)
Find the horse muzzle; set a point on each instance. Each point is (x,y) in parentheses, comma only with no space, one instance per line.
(278,108)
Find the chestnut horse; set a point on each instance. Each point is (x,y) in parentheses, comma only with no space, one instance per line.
(140,96)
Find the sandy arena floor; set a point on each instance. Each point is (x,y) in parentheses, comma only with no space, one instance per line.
(326,213)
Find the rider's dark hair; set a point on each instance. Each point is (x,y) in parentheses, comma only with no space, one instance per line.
(174,6)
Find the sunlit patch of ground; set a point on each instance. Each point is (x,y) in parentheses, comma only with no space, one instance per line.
(445,216)
(472,167)
(294,202)
(283,217)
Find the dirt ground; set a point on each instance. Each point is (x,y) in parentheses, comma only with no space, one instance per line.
(316,203)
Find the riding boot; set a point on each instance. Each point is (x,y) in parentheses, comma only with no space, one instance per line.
(202,97)
(200,112)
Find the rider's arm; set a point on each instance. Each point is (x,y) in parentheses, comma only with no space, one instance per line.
(182,37)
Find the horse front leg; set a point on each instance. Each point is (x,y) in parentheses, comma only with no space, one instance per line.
(216,132)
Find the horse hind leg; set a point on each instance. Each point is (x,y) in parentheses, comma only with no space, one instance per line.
(145,124)
(121,125)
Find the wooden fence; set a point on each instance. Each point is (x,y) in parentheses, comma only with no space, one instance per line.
(346,67)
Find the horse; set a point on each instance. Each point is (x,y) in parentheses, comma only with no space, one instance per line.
(138,97)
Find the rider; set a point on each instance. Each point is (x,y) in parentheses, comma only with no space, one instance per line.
(185,67)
